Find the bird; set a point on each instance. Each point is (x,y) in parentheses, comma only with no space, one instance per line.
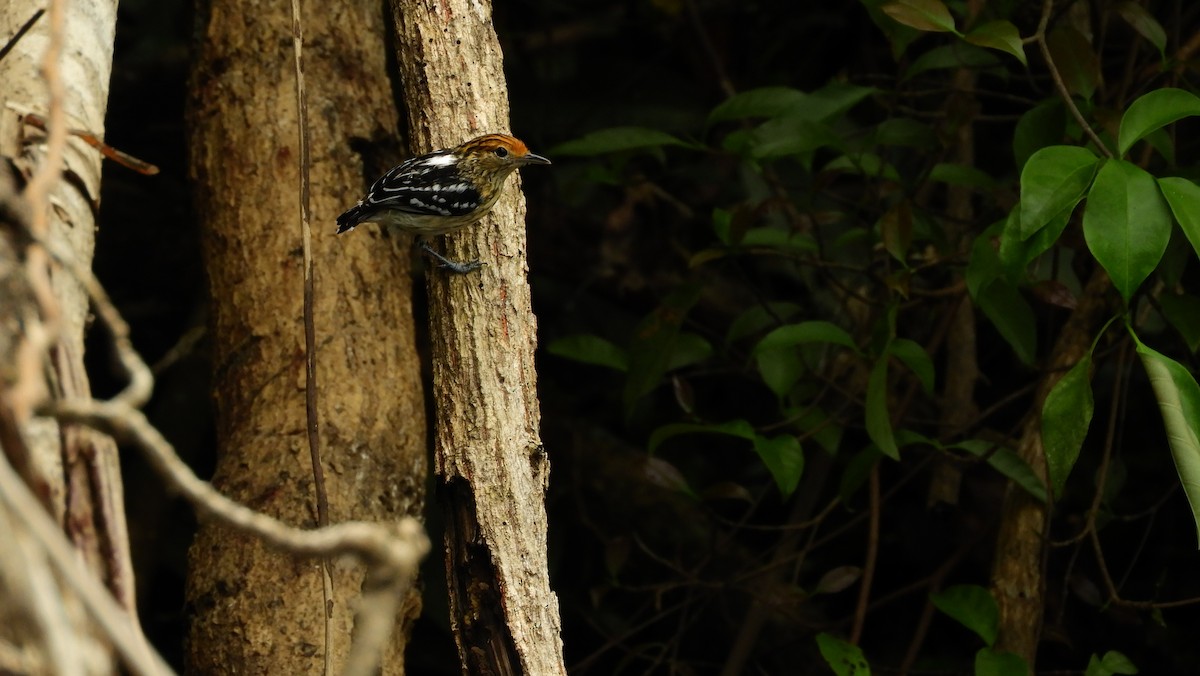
(442,191)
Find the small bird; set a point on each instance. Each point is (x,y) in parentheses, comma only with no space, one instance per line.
(442,191)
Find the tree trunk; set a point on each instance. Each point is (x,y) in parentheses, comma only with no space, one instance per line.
(1018,574)
(74,471)
(491,466)
(255,611)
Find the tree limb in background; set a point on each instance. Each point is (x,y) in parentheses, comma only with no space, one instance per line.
(254,610)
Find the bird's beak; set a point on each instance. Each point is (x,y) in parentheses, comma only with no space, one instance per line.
(530,158)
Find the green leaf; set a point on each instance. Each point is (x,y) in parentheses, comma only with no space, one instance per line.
(780,369)
(1052,182)
(764,102)
(1113,662)
(734,428)
(857,471)
(1184,198)
(1155,110)
(952,56)
(1007,463)
(984,266)
(779,238)
(1076,60)
(782,455)
(832,101)
(864,164)
(879,421)
(590,349)
(846,659)
(999,35)
(689,349)
(786,136)
(1175,260)
(1183,312)
(904,131)
(1039,127)
(899,36)
(1179,402)
(1010,313)
(784,459)
(722,220)
(992,662)
(786,107)
(1016,254)
(1145,24)
(1066,416)
(896,230)
(957,174)
(923,15)
(815,331)
(972,606)
(759,317)
(815,424)
(1126,224)
(616,139)
(780,364)
(653,345)
(915,358)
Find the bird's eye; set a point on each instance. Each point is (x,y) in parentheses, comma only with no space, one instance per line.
(501,152)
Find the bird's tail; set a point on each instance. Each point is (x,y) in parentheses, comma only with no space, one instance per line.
(351,218)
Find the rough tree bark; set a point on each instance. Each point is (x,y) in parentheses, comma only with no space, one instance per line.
(491,466)
(255,611)
(74,471)
(1018,574)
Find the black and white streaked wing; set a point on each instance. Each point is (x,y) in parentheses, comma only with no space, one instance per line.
(429,185)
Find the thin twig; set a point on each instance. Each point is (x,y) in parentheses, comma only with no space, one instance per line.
(310,333)
(12,42)
(122,158)
(719,71)
(872,556)
(1040,38)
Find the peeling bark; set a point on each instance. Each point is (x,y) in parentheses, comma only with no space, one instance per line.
(491,466)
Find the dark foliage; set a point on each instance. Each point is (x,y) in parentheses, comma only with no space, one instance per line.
(660,264)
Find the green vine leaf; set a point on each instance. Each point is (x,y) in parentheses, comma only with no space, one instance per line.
(1127,224)
(999,35)
(924,15)
(1053,181)
(1066,416)
(1179,402)
(1154,111)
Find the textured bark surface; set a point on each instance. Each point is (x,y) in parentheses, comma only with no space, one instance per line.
(491,466)
(254,611)
(1018,575)
(74,471)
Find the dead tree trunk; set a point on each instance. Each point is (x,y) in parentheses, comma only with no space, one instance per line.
(491,466)
(255,611)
